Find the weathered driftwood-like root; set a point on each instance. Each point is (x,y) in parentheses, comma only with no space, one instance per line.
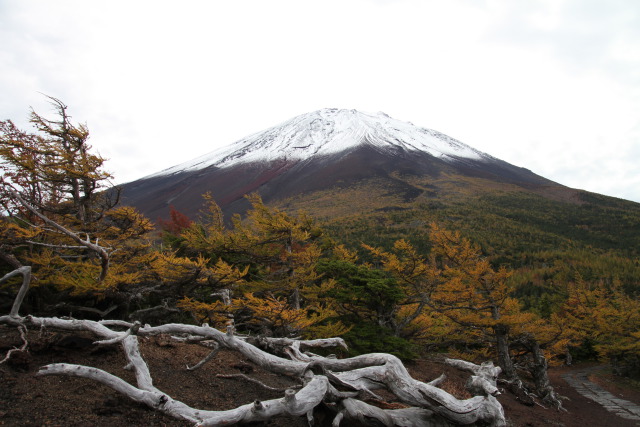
(433,406)
(25,271)
(367,372)
(357,410)
(280,345)
(483,382)
(132,331)
(381,370)
(362,373)
(20,349)
(394,377)
(26,280)
(295,404)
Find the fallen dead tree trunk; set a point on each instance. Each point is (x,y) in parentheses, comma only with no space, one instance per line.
(338,383)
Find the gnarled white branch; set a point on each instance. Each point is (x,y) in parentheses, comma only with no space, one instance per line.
(26,280)
(484,380)
(364,373)
(356,410)
(131,331)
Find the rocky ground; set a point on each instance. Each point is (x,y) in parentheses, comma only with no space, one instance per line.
(30,400)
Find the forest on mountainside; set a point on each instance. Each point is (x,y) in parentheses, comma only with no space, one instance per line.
(544,241)
(484,279)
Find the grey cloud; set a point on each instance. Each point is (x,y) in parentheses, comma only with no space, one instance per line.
(586,34)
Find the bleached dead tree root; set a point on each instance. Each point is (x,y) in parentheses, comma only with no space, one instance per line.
(296,404)
(22,348)
(338,383)
(25,271)
(356,375)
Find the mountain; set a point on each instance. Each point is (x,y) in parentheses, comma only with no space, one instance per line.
(389,160)
(370,178)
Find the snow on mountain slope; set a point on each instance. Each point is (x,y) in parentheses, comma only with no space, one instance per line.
(330,131)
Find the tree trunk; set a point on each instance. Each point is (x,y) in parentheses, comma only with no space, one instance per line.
(502,348)
(513,381)
(295,299)
(538,370)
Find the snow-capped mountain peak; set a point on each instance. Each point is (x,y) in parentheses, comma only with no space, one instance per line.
(333,150)
(329,131)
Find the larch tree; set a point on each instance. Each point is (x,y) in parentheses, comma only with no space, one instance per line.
(609,318)
(60,209)
(263,269)
(457,282)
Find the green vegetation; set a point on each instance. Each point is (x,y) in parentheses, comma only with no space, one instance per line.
(548,243)
(543,240)
(479,271)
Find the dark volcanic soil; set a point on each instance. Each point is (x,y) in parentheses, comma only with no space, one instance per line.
(30,400)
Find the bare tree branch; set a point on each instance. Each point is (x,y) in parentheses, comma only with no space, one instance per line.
(26,280)
(210,356)
(357,374)
(255,381)
(23,347)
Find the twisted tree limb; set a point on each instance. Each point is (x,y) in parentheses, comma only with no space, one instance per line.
(484,379)
(366,372)
(22,348)
(432,406)
(295,404)
(356,410)
(26,280)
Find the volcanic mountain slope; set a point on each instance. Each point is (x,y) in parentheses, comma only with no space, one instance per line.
(331,149)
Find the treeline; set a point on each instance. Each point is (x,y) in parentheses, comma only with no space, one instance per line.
(393,282)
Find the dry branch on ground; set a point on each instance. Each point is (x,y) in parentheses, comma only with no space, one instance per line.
(339,383)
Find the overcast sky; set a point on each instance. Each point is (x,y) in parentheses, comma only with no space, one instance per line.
(553,86)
